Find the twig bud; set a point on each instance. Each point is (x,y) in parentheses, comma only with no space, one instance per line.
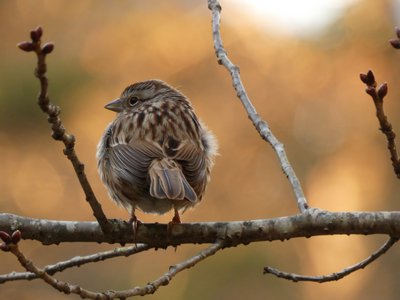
(6,238)
(368,79)
(382,90)
(371,91)
(26,46)
(16,236)
(39,31)
(363,77)
(47,48)
(34,36)
(395,43)
(4,247)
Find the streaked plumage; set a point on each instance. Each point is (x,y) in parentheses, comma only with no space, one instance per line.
(155,155)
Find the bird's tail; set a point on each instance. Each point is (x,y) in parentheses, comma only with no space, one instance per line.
(168,182)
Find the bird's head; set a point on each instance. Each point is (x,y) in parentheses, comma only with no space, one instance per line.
(139,93)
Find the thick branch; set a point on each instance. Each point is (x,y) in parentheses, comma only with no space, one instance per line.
(311,223)
(261,125)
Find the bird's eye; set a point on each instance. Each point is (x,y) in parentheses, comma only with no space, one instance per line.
(133,100)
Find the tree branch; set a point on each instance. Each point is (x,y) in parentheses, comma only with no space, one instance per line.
(338,275)
(59,132)
(76,261)
(311,223)
(150,288)
(377,95)
(261,125)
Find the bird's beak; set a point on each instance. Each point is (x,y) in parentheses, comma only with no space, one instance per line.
(115,105)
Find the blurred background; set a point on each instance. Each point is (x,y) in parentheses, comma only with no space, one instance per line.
(300,64)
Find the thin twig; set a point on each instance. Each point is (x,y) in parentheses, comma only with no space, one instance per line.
(261,125)
(377,95)
(77,262)
(59,132)
(165,279)
(334,276)
(150,288)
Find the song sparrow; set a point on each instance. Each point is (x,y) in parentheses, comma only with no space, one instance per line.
(156,155)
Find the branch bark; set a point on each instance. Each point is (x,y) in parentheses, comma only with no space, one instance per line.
(313,222)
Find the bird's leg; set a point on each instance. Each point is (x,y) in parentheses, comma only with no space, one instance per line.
(176,219)
(135,222)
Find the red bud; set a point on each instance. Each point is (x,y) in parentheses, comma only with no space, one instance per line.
(16,236)
(34,36)
(382,90)
(395,43)
(47,48)
(26,46)
(6,238)
(4,247)
(368,79)
(363,77)
(371,91)
(39,31)
(397,31)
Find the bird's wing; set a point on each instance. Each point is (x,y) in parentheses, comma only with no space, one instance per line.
(136,162)
(167,181)
(131,161)
(195,166)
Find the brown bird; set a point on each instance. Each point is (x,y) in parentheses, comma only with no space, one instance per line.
(156,155)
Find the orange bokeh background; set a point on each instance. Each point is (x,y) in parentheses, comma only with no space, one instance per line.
(307,90)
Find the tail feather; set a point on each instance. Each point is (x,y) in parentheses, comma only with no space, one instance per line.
(168,182)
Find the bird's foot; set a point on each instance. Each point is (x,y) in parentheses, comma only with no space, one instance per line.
(135,225)
(175,220)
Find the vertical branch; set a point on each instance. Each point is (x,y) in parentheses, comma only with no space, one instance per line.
(260,125)
(377,95)
(59,132)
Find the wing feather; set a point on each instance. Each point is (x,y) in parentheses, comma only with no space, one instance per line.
(194,165)
(131,162)
(168,181)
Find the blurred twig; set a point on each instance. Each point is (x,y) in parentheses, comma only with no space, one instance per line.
(338,275)
(151,287)
(59,285)
(59,132)
(11,245)
(77,262)
(261,126)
